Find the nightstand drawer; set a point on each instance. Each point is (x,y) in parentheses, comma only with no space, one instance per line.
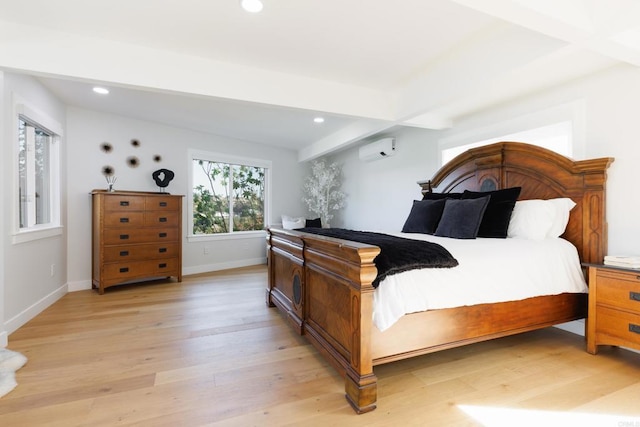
(620,290)
(619,324)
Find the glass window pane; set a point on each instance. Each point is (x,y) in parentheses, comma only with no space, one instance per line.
(43,199)
(248,198)
(22,173)
(210,197)
(227,198)
(34,183)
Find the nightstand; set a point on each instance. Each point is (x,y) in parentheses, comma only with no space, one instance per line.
(614,307)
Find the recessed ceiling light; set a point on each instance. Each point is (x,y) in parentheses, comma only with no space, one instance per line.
(101,90)
(319,120)
(253,6)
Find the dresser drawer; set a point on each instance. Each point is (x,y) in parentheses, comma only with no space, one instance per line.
(125,253)
(123,219)
(120,236)
(122,271)
(620,290)
(162,203)
(619,324)
(159,218)
(123,203)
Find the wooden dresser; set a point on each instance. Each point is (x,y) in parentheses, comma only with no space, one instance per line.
(135,236)
(614,307)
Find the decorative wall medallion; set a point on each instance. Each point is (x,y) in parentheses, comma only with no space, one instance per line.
(133,161)
(106,147)
(135,143)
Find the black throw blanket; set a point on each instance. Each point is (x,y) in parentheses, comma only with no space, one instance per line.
(397,254)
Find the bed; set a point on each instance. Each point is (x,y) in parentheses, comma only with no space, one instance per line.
(323,285)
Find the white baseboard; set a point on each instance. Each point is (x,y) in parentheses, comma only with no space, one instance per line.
(577,327)
(223,266)
(80,285)
(32,311)
(4,339)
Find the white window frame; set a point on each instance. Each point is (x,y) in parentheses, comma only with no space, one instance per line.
(44,121)
(234,160)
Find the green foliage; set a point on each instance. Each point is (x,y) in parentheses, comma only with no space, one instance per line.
(233,191)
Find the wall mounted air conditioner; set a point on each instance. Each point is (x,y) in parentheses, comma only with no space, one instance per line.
(378,150)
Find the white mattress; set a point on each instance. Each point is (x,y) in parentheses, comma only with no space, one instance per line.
(489,270)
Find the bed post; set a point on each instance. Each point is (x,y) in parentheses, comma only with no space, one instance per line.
(360,382)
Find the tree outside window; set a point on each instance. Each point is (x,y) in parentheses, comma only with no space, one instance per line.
(227,198)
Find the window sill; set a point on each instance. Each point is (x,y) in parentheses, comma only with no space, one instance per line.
(24,236)
(227,236)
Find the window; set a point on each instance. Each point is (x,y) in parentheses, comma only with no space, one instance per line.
(228,194)
(34,174)
(556,137)
(38,188)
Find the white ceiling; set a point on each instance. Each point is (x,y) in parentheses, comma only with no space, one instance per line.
(367,66)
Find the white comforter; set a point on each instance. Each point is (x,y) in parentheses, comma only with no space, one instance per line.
(489,270)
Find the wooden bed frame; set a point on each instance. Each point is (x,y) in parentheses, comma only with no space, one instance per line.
(323,285)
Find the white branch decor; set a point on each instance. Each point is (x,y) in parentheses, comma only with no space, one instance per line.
(322,190)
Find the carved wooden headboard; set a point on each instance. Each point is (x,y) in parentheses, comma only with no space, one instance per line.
(542,174)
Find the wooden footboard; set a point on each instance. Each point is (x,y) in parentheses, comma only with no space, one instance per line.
(323,286)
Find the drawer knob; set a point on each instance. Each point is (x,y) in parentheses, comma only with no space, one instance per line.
(124,236)
(634,328)
(162,250)
(164,265)
(635,296)
(124,203)
(163,204)
(124,269)
(162,234)
(162,219)
(124,253)
(124,219)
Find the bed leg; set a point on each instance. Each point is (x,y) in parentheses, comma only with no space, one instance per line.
(267,298)
(362,392)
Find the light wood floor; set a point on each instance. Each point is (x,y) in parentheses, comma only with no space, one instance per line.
(209,352)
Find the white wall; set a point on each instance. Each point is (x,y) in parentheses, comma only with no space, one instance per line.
(3,206)
(380,193)
(603,109)
(88,129)
(27,282)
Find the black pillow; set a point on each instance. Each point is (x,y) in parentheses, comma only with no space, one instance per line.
(438,196)
(424,216)
(495,221)
(461,218)
(317,223)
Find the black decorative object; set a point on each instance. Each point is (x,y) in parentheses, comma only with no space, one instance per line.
(108,173)
(133,161)
(106,147)
(135,143)
(157,158)
(107,170)
(162,177)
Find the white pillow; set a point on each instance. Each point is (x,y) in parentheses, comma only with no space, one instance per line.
(289,223)
(538,219)
(563,207)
